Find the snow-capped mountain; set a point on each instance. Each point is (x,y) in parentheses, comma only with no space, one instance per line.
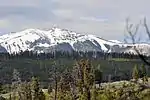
(63,40)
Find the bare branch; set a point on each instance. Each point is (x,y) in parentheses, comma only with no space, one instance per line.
(146,28)
(130,30)
(132,34)
(142,57)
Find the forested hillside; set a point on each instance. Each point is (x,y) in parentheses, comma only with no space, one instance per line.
(28,64)
(58,70)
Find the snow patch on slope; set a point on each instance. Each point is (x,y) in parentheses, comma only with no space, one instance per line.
(32,39)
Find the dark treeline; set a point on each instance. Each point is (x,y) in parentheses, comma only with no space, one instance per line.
(65,54)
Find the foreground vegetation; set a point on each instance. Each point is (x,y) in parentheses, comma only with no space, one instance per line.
(119,70)
(80,83)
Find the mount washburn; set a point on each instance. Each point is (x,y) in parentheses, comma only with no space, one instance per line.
(63,40)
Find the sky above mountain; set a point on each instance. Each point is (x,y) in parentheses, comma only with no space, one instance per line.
(104,18)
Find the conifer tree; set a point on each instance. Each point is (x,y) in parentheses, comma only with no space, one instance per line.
(15,84)
(144,73)
(135,73)
(98,75)
(94,92)
(56,82)
(35,89)
(54,78)
(28,92)
(143,70)
(85,79)
(25,91)
(64,86)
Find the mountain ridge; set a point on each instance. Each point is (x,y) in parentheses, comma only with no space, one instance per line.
(63,40)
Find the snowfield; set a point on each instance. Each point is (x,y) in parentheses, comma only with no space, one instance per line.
(64,40)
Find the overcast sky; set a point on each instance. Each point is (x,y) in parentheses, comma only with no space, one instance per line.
(104,18)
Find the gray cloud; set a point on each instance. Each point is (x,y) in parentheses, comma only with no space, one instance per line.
(105,18)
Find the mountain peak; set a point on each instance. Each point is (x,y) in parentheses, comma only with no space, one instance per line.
(62,40)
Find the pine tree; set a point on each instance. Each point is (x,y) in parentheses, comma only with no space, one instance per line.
(16,78)
(73,84)
(135,73)
(98,75)
(85,79)
(143,70)
(65,80)
(144,74)
(15,84)
(94,93)
(35,89)
(25,91)
(88,79)
(56,81)
(64,86)
(54,77)
(28,91)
